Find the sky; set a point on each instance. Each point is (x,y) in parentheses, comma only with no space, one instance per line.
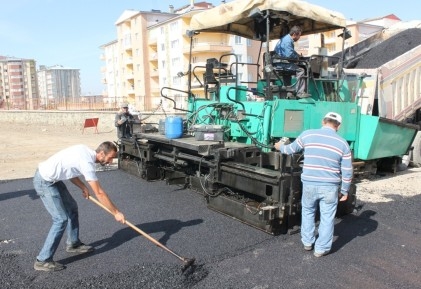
(70,32)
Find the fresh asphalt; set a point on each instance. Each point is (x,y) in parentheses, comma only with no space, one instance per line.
(377,247)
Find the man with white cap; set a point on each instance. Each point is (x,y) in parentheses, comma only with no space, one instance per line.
(326,177)
(124,122)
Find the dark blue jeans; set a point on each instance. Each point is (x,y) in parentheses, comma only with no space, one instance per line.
(64,212)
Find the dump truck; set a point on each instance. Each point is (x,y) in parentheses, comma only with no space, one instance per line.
(390,62)
(223,146)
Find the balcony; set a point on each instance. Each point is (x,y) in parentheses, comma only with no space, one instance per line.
(154,72)
(153,42)
(156,90)
(128,60)
(154,57)
(330,40)
(130,90)
(128,45)
(209,47)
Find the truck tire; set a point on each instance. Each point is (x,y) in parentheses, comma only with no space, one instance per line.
(416,152)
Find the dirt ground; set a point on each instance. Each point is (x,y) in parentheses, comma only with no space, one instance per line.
(23,146)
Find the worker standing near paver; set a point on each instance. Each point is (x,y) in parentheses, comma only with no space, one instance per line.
(327,172)
(124,122)
(70,164)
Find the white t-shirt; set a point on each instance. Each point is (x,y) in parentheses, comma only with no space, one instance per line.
(74,161)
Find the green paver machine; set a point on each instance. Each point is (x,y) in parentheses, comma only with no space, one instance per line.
(226,149)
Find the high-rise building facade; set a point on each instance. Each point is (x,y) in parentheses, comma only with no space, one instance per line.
(152,54)
(58,84)
(18,83)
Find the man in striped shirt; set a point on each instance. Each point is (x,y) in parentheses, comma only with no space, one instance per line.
(326,177)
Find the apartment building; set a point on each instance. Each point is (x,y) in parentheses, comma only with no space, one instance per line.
(58,84)
(152,55)
(18,83)
(126,71)
(109,72)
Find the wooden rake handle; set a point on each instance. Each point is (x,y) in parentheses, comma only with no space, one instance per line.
(144,234)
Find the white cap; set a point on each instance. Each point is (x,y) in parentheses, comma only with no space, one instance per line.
(334,116)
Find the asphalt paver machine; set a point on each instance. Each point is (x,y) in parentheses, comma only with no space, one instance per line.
(223,147)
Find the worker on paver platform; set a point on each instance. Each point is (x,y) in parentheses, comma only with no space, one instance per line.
(285,49)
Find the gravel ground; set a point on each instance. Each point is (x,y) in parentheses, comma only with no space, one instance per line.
(377,247)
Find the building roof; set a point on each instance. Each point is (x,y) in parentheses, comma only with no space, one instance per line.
(390,16)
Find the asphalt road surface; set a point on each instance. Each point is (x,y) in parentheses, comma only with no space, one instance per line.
(377,247)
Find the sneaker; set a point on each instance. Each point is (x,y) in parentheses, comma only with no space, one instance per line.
(48,266)
(303,95)
(317,254)
(308,248)
(81,248)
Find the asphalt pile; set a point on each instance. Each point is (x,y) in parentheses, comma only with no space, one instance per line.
(139,276)
(389,49)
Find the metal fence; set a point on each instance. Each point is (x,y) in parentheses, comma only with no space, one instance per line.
(95,103)
(90,103)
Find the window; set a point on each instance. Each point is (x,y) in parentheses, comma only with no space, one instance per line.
(195,42)
(250,77)
(248,41)
(237,39)
(175,61)
(174,26)
(240,77)
(176,80)
(174,44)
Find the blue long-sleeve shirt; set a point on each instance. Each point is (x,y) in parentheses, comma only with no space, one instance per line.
(327,158)
(285,49)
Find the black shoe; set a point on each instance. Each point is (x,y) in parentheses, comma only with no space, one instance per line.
(81,248)
(48,266)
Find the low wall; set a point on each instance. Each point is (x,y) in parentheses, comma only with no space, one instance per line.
(71,118)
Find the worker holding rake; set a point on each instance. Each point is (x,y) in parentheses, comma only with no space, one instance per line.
(70,164)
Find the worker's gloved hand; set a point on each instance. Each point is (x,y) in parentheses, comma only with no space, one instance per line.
(123,119)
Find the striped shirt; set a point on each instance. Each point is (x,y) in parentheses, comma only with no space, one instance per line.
(327,158)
